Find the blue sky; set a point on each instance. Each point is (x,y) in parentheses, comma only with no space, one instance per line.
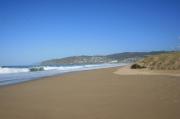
(36,30)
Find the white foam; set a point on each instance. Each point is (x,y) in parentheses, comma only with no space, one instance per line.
(67,68)
(17,75)
(13,70)
(62,68)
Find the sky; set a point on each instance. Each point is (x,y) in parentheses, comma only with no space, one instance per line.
(35,30)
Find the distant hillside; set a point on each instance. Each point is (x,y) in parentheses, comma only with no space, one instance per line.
(126,57)
(76,60)
(167,61)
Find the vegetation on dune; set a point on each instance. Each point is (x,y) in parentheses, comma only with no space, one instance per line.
(137,66)
(167,61)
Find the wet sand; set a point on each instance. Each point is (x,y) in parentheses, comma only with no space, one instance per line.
(96,94)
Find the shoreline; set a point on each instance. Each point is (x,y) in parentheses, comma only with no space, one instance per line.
(93,94)
(57,75)
(35,75)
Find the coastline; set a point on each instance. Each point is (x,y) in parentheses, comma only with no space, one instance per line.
(16,78)
(92,94)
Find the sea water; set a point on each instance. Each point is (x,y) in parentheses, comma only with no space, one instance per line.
(17,74)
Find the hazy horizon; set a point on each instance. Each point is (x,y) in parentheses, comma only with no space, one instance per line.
(52,58)
(36,30)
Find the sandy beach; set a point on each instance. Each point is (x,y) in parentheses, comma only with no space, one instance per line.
(95,94)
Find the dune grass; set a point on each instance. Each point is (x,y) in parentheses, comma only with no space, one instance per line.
(167,61)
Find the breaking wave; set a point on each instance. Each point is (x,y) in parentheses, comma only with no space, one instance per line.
(13,75)
(5,70)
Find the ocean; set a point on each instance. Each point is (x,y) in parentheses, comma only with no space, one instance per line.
(16,74)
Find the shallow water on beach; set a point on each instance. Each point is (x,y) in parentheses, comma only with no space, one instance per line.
(13,75)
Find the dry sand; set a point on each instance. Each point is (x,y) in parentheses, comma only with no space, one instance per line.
(128,71)
(96,94)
